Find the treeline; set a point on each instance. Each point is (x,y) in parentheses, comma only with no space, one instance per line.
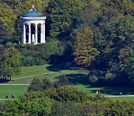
(96,34)
(65,101)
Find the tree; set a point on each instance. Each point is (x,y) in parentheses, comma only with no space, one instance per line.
(26,107)
(7,23)
(84,50)
(47,84)
(10,63)
(61,14)
(36,85)
(124,56)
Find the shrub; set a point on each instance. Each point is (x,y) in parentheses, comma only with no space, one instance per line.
(27,61)
(93,79)
(66,109)
(64,79)
(47,84)
(56,84)
(39,61)
(62,93)
(36,85)
(109,75)
(9,44)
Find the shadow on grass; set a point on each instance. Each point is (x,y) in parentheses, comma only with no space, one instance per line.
(63,66)
(56,67)
(4,80)
(114,90)
(76,78)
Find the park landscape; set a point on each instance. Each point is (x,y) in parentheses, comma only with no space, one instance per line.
(20,83)
(76,60)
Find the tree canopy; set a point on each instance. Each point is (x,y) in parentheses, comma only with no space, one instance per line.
(84,50)
(10,62)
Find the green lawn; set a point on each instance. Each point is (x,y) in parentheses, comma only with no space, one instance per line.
(52,76)
(108,91)
(33,70)
(39,72)
(77,78)
(17,90)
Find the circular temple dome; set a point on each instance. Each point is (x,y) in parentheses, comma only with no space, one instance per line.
(33,13)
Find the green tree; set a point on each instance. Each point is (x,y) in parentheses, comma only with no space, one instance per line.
(124,56)
(61,14)
(26,107)
(130,66)
(36,85)
(62,94)
(47,84)
(10,62)
(84,50)
(7,23)
(15,5)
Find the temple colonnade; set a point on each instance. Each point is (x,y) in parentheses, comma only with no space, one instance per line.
(32,27)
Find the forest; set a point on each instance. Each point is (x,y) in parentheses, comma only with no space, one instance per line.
(93,35)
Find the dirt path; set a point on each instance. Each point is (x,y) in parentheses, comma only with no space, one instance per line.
(28,77)
(6,99)
(14,84)
(34,75)
(119,96)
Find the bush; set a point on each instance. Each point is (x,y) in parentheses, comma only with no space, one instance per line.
(62,93)
(70,93)
(64,79)
(9,44)
(93,79)
(27,61)
(56,84)
(55,59)
(66,109)
(36,85)
(39,61)
(47,84)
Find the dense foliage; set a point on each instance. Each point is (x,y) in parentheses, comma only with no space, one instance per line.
(65,101)
(40,85)
(10,63)
(83,47)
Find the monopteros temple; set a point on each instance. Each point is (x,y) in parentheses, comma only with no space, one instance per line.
(32,27)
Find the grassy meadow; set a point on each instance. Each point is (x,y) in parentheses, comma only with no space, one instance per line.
(78,78)
(17,90)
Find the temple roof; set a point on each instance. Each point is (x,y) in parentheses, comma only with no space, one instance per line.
(33,13)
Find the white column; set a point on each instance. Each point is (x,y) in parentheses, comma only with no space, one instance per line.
(33,39)
(24,34)
(41,40)
(29,34)
(21,32)
(36,33)
(43,33)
